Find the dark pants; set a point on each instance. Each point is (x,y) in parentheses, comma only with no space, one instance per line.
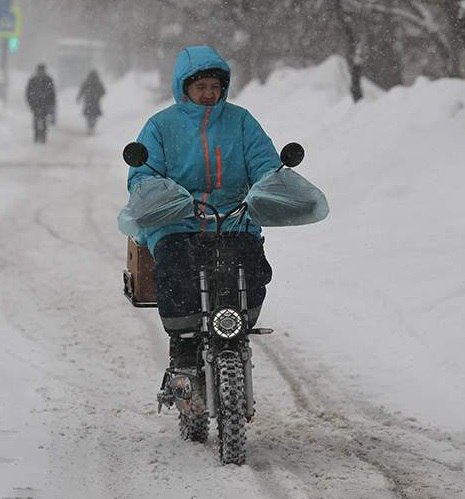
(178,259)
(40,125)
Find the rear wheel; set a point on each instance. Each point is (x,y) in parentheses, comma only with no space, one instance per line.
(231,409)
(194,422)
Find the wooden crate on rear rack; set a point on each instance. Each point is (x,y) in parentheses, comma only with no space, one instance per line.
(138,277)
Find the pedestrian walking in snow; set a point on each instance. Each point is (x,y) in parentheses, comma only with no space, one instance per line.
(91,92)
(40,95)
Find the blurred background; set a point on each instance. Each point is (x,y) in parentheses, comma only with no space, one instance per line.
(390,42)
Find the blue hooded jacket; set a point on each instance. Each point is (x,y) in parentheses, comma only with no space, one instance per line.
(215,152)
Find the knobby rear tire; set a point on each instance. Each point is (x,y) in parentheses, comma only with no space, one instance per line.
(231,416)
(194,426)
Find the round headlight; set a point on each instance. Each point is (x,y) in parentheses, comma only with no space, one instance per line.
(227,322)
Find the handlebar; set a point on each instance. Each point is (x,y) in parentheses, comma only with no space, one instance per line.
(200,208)
(135,154)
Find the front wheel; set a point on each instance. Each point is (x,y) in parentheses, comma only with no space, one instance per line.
(231,408)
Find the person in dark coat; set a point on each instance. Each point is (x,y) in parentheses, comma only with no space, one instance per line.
(91,91)
(40,95)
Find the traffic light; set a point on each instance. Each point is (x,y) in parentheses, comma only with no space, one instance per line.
(13,44)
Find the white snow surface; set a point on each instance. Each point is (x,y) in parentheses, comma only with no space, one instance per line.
(360,391)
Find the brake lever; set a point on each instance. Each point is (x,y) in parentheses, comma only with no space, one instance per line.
(198,213)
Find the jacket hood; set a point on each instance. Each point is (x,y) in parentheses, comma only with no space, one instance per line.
(189,61)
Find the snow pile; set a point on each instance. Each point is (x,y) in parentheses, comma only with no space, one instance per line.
(382,289)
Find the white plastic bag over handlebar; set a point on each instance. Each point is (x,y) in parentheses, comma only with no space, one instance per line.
(155,202)
(285,198)
(281,198)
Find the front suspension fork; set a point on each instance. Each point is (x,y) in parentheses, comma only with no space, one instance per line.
(207,353)
(248,384)
(208,357)
(210,391)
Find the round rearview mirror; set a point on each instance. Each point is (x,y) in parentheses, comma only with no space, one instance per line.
(135,154)
(292,154)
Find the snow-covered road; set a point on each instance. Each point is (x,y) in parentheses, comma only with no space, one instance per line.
(96,364)
(80,367)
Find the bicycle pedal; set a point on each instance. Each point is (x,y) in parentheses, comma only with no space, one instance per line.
(165,398)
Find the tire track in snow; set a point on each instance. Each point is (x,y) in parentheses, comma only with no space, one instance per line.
(40,220)
(399,452)
(89,193)
(351,447)
(107,246)
(287,463)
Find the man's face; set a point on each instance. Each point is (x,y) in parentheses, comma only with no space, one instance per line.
(205,91)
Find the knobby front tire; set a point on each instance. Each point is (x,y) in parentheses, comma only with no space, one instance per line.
(231,416)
